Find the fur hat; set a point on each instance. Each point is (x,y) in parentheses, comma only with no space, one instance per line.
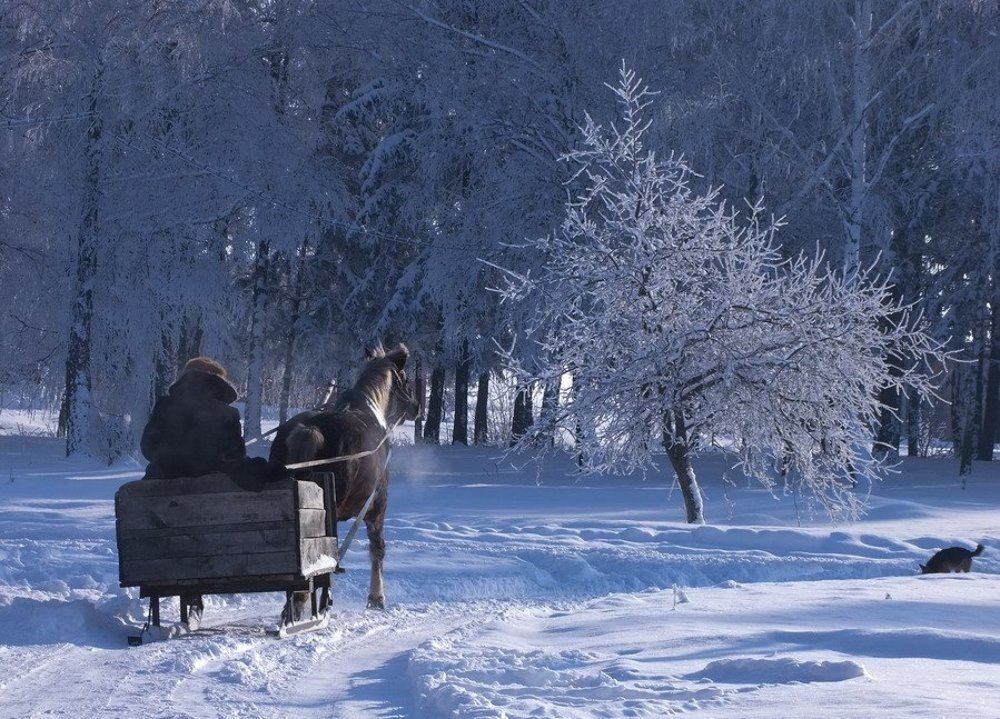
(205,364)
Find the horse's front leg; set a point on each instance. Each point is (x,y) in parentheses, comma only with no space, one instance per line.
(376,551)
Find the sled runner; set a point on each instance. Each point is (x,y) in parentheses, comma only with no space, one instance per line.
(194,536)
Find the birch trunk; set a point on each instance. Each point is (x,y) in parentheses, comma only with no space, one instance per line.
(78,403)
(963,417)
(190,341)
(251,415)
(991,400)
(294,314)
(550,405)
(420,389)
(163,366)
(887,436)
(858,161)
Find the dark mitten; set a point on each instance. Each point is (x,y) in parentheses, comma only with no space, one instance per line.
(249,474)
(276,471)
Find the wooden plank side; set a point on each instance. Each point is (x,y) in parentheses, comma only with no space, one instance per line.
(310,496)
(198,510)
(206,484)
(196,544)
(226,585)
(231,565)
(318,555)
(312,523)
(310,520)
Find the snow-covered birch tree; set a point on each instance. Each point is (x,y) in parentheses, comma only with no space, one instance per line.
(679,321)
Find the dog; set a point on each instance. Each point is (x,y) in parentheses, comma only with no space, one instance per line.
(952,559)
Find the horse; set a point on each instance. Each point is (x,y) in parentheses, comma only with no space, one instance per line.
(358,420)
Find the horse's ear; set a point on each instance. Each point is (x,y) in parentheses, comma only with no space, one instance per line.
(399,356)
(370,353)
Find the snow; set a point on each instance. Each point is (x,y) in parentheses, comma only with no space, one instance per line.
(520,590)
(778,671)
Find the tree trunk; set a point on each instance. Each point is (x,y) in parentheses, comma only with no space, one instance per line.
(517,419)
(432,427)
(63,419)
(294,313)
(888,436)
(278,58)
(288,370)
(913,429)
(964,416)
(975,415)
(550,405)
(583,430)
(460,429)
(480,431)
(522,418)
(163,366)
(420,390)
(675,441)
(190,341)
(991,410)
(954,413)
(861,88)
(79,407)
(251,416)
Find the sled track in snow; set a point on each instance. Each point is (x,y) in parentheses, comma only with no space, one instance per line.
(230,668)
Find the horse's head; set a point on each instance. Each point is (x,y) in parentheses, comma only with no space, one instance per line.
(402,403)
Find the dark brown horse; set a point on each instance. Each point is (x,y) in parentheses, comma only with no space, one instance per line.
(357,421)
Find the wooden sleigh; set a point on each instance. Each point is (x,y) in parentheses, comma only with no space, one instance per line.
(206,535)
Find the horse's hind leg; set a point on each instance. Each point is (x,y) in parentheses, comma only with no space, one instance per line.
(376,551)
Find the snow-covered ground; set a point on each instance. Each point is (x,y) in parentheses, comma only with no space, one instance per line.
(521,591)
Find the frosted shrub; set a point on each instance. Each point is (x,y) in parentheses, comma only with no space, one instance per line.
(677,318)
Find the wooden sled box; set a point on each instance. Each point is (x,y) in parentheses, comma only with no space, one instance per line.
(206,535)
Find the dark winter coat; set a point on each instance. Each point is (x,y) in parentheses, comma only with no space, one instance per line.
(193,430)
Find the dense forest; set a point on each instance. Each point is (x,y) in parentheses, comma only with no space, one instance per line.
(280,183)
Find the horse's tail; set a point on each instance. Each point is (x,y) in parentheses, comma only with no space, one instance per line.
(303,444)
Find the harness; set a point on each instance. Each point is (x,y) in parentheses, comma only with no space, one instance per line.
(371,497)
(386,431)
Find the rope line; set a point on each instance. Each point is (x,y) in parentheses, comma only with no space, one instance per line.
(342,458)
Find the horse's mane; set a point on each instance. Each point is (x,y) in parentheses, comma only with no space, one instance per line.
(374,383)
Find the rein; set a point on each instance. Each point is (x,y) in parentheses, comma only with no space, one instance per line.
(343,458)
(371,497)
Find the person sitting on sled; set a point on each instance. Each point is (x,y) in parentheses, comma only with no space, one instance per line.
(194,430)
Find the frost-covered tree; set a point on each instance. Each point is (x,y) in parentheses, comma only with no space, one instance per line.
(680,323)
